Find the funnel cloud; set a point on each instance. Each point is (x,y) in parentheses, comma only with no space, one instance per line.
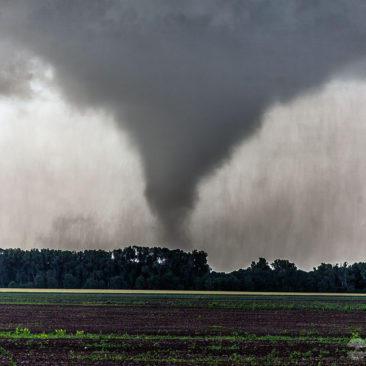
(187,80)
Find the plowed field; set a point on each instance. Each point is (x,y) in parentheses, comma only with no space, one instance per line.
(150,329)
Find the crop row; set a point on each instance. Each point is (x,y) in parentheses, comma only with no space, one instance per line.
(250,349)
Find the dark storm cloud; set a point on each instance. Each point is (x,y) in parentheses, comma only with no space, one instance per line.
(188,79)
(15,72)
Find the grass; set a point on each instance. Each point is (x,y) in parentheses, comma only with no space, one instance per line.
(178,292)
(185,299)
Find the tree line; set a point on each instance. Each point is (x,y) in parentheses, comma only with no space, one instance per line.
(163,269)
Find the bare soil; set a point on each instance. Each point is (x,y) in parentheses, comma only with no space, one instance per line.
(167,335)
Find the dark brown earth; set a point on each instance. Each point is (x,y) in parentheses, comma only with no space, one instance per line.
(176,321)
(206,335)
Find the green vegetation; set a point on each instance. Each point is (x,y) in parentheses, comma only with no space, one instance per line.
(62,333)
(239,302)
(211,349)
(163,269)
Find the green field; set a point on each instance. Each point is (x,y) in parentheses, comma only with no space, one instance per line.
(179,292)
(235,300)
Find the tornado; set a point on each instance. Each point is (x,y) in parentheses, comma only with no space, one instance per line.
(188,80)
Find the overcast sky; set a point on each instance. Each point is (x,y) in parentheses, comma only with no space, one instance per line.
(236,129)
